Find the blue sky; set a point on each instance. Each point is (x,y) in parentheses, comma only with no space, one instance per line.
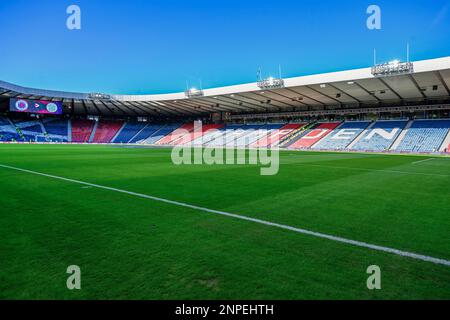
(154,46)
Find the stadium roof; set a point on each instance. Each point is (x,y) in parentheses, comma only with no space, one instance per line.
(429,82)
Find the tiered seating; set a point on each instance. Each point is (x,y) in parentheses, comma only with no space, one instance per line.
(106,131)
(8,132)
(4,121)
(129,131)
(340,138)
(82,130)
(254,134)
(209,136)
(198,136)
(56,127)
(30,130)
(311,137)
(148,132)
(57,130)
(177,134)
(273,139)
(422,136)
(238,137)
(161,133)
(33,127)
(380,136)
(425,136)
(227,135)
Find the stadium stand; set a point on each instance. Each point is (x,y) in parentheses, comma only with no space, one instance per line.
(418,136)
(237,137)
(233,133)
(32,127)
(160,133)
(198,135)
(254,134)
(312,136)
(145,133)
(56,127)
(381,136)
(176,134)
(425,136)
(228,134)
(29,130)
(82,130)
(106,131)
(275,137)
(209,136)
(8,132)
(129,131)
(148,134)
(342,137)
(57,130)
(446,145)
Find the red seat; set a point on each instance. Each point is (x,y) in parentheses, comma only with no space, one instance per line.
(82,130)
(315,135)
(176,134)
(194,135)
(274,138)
(106,131)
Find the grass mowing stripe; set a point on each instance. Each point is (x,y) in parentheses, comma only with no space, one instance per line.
(417,162)
(245,218)
(375,170)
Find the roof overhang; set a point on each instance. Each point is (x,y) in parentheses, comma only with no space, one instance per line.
(429,81)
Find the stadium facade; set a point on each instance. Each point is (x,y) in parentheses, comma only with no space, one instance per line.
(394,107)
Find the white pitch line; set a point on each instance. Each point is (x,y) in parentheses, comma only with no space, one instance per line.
(241,217)
(425,160)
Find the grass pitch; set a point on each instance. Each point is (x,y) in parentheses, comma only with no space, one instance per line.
(134,248)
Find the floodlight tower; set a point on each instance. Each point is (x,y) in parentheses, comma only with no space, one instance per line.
(270,82)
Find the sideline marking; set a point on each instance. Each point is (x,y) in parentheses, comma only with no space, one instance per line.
(236,216)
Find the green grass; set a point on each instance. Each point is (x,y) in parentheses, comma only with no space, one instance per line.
(134,248)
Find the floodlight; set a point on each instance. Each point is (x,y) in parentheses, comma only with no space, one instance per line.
(271,83)
(194,92)
(394,67)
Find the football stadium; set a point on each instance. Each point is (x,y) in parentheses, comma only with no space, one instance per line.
(88,182)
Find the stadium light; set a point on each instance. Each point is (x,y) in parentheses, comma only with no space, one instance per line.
(99,96)
(194,92)
(394,67)
(270,83)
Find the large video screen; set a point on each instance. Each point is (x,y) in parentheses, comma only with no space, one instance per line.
(35,106)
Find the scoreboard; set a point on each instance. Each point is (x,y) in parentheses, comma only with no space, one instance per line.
(35,106)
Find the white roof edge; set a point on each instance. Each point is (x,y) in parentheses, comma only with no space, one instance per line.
(332,77)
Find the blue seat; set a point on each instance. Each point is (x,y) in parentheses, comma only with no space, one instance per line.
(57,130)
(343,136)
(130,130)
(159,133)
(425,136)
(381,136)
(8,132)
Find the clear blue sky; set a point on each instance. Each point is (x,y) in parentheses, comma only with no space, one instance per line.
(154,46)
